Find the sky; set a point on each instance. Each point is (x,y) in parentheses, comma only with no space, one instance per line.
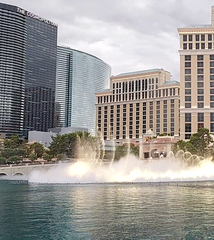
(129,35)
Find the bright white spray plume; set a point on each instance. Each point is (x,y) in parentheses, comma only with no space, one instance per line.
(128,169)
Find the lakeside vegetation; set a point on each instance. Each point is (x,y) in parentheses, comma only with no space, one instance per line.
(83,145)
(200,143)
(73,145)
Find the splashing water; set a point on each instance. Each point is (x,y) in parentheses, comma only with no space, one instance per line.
(135,170)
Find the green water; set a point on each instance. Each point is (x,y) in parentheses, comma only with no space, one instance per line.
(106,211)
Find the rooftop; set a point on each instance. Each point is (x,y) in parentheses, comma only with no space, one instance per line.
(139,72)
(199,26)
(171,82)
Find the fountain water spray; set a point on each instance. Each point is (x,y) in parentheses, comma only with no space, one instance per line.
(182,167)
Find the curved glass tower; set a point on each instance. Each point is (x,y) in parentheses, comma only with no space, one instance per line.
(79,76)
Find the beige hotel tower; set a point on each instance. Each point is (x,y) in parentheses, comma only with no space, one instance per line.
(196,78)
(137,102)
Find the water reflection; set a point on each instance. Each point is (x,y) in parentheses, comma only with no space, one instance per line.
(107,211)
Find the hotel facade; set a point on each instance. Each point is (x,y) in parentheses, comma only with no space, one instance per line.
(196,78)
(137,102)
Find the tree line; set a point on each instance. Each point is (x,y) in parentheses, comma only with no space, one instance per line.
(72,145)
(199,144)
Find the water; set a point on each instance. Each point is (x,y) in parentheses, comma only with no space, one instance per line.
(106,211)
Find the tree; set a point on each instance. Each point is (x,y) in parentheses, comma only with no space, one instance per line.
(122,151)
(58,145)
(14,159)
(13,142)
(179,145)
(7,152)
(32,157)
(201,141)
(134,150)
(47,157)
(190,148)
(3,160)
(37,149)
(70,143)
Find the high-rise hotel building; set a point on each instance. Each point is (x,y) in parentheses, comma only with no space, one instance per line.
(79,76)
(28,49)
(196,78)
(137,102)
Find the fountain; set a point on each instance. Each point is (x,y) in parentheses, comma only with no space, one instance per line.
(91,167)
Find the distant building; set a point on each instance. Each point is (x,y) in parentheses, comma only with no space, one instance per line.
(45,138)
(197,78)
(137,102)
(156,148)
(79,76)
(27,71)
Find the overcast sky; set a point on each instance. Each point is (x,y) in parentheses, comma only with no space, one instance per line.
(129,35)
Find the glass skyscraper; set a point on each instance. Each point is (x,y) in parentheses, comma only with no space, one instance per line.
(28,49)
(79,76)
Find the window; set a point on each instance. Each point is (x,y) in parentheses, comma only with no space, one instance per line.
(211,77)
(200,117)
(187,98)
(187,84)
(187,127)
(187,105)
(187,71)
(211,70)
(200,98)
(211,97)
(190,38)
(200,84)
(197,46)
(197,37)
(200,125)
(188,58)
(211,57)
(188,78)
(211,127)
(165,130)
(200,71)
(209,37)
(211,64)
(209,45)
(211,91)
(202,37)
(200,57)
(187,91)
(200,105)
(184,38)
(200,64)
(187,136)
(211,117)
(187,117)
(202,45)
(187,64)
(190,45)
(200,77)
(200,91)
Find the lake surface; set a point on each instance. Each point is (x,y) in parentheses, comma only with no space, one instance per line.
(106,211)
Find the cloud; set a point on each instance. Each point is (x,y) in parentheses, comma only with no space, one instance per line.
(129,35)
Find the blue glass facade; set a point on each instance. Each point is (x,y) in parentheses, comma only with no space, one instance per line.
(79,77)
(28,49)
(40,77)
